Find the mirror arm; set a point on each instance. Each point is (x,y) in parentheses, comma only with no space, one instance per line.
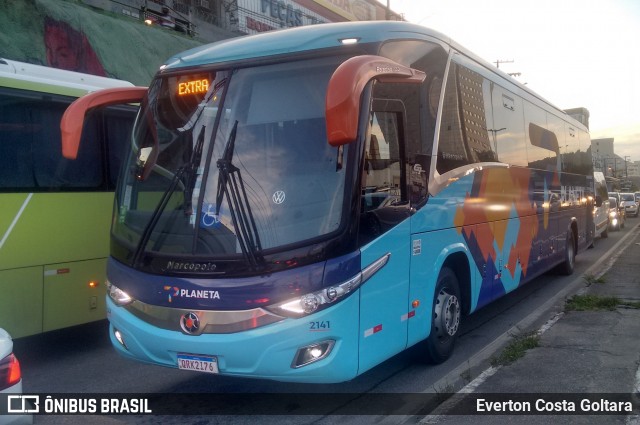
(73,118)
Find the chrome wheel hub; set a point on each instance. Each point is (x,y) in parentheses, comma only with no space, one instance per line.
(447,314)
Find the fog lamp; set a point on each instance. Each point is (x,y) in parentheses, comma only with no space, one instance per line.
(312,353)
(119,338)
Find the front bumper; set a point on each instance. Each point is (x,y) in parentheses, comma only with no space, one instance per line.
(264,352)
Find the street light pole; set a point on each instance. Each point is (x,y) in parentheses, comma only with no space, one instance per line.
(626,161)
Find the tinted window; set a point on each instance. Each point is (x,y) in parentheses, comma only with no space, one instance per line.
(246,168)
(466,133)
(508,127)
(543,146)
(432,60)
(384,196)
(30,146)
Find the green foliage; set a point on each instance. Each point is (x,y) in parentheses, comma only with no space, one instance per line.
(590,279)
(591,302)
(516,349)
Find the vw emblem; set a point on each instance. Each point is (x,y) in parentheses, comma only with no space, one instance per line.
(278,197)
(190,322)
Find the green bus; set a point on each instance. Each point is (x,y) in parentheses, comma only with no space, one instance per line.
(54,213)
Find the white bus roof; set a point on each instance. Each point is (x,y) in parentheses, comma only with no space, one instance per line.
(40,77)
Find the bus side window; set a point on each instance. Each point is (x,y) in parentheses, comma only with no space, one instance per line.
(30,145)
(118,124)
(466,133)
(543,148)
(53,171)
(16,135)
(382,155)
(384,202)
(508,127)
(430,58)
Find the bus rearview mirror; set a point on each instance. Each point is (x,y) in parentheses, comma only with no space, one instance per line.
(73,119)
(344,92)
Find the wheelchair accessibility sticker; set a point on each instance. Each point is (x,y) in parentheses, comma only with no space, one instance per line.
(209,217)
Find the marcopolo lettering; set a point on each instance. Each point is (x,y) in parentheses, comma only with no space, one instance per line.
(187,266)
(389,69)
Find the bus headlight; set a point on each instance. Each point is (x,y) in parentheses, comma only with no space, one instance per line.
(118,296)
(315,301)
(312,302)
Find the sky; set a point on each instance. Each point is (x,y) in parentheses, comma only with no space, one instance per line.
(574,53)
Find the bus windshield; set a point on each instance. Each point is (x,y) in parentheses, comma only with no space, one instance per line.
(231,163)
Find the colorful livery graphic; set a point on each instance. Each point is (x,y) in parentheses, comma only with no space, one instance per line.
(55,212)
(303,204)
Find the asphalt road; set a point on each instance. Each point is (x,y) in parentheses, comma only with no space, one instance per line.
(81,360)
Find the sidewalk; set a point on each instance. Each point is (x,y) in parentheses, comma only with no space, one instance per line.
(591,353)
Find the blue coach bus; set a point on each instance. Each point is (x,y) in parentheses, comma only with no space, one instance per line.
(303,204)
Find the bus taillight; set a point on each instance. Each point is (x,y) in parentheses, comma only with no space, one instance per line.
(10,373)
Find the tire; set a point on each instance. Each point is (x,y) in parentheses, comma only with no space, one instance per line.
(605,233)
(446,315)
(567,267)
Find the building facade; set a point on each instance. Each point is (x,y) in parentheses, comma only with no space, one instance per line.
(579,114)
(130,39)
(602,154)
(612,165)
(207,20)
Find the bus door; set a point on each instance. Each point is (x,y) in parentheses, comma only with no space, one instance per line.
(384,230)
(367,101)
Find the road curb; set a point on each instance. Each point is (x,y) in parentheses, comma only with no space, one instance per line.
(454,381)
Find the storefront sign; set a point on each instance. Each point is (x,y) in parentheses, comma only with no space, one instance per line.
(268,15)
(354,10)
(283,12)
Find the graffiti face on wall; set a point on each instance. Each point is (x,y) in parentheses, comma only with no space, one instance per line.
(70,49)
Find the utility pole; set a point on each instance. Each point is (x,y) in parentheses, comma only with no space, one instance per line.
(498,61)
(388,11)
(513,74)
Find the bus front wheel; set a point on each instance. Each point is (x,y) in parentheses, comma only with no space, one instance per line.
(445,318)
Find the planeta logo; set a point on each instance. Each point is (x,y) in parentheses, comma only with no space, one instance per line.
(173,291)
(203,294)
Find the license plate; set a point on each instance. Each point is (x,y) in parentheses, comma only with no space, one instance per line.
(207,364)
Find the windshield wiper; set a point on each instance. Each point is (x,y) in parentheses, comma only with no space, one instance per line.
(231,187)
(191,169)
